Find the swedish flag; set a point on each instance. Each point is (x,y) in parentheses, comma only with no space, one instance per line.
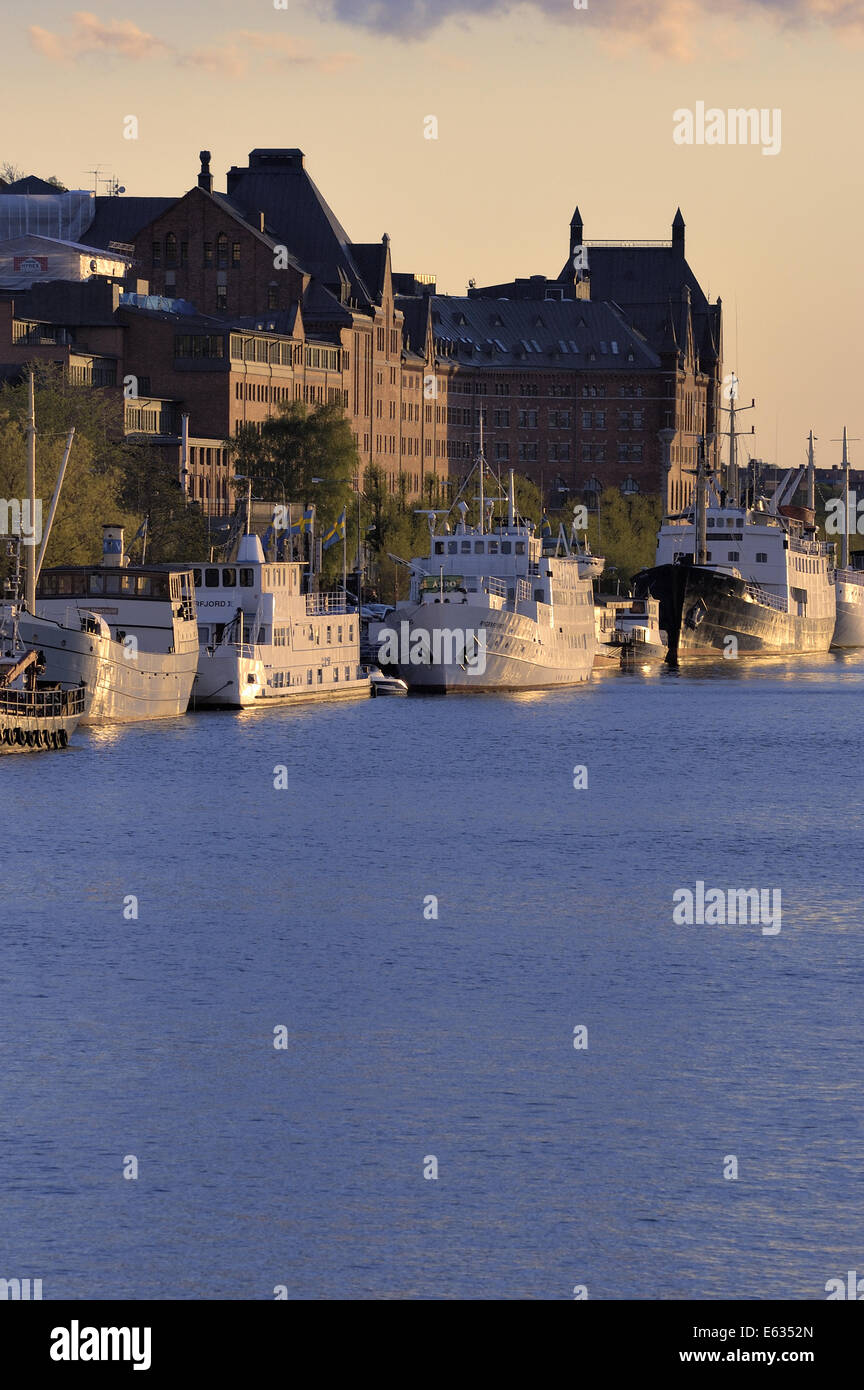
(336,532)
(545,526)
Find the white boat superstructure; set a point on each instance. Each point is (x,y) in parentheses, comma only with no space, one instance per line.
(127,631)
(264,641)
(848,578)
(493,607)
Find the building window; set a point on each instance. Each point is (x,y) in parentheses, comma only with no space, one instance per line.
(156,256)
(208,254)
(222,251)
(171,249)
(272,297)
(221,296)
(235,253)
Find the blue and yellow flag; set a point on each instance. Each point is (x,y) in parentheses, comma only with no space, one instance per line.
(545,526)
(336,532)
(299,528)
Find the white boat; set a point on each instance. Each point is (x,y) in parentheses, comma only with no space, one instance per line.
(263,641)
(492,607)
(637,637)
(382,684)
(848,578)
(34,713)
(128,629)
(849,596)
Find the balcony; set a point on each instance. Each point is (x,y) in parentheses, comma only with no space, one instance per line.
(151,417)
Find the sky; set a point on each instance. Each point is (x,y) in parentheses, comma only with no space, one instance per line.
(539,107)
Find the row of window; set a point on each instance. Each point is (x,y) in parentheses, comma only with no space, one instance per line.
(173,253)
(485,547)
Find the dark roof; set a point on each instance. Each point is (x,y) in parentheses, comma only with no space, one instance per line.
(121,218)
(415,312)
(277,184)
(650,285)
(530,334)
(30,184)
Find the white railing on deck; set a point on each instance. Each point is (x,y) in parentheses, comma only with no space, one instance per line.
(325,603)
(770,600)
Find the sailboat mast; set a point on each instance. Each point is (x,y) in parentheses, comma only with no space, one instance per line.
(811,474)
(30,573)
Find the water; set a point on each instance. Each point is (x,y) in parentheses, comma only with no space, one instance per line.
(411,1037)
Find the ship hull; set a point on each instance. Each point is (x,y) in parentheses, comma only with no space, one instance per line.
(229,679)
(520,653)
(121,689)
(701,609)
(849,623)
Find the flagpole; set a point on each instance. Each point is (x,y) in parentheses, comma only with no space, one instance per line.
(345,556)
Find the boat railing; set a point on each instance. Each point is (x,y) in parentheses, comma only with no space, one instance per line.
(331,602)
(496,586)
(770,600)
(42,704)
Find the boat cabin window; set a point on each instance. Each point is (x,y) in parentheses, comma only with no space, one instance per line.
(506,547)
(229,578)
(211,579)
(466,547)
(451,547)
(479,547)
(520,547)
(439,547)
(761,557)
(493,547)
(247,579)
(711,521)
(196,575)
(112,583)
(734,555)
(142,584)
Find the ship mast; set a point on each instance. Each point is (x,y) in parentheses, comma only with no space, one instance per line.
(30,550)
(482,461)
(811,474)
(700,552)
(845,561)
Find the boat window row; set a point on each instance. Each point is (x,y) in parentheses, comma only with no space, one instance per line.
(226,576)
(729,521)
(313,634)
(82,584)
(490,547)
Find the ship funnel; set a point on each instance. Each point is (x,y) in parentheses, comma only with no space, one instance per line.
(112,547)
(250,551)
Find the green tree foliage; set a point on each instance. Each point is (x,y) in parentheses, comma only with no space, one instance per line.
(107,479)
(307,456)
(624,529)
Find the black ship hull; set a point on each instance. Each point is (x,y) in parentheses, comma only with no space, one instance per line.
(702,608)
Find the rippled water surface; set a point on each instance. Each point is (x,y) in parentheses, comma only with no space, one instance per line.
(410,1037)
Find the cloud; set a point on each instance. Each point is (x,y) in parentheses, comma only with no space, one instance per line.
(90,35)
(237,54)
(244,50)
(665,25)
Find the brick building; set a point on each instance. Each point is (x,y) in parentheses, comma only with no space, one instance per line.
(235,302)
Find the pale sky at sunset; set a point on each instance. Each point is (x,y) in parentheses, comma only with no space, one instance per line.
(539,107)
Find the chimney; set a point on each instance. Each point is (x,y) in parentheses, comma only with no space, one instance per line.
(205,178)
(678,233)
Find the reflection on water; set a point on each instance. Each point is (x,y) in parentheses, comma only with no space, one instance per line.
(410,1034)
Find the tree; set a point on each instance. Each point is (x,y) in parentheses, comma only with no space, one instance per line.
(311,456)
(11,172)
(107,480)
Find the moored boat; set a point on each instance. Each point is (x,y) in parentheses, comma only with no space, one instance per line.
(35,714)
